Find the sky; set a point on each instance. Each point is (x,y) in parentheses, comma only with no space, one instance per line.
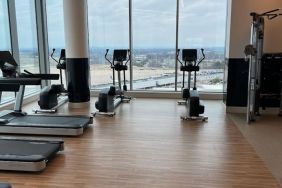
(201,23)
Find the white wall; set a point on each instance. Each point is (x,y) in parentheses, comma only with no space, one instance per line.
(240,26)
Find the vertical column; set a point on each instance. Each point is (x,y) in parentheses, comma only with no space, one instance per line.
(130,44)
(42,36)
(77,52)
(14,30)
(176,44)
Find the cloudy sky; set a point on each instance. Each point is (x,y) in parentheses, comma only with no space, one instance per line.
(202,23)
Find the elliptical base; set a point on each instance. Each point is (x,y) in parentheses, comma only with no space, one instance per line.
(194,118)
(62,100)
(125,99)
(183,102)
(110,114)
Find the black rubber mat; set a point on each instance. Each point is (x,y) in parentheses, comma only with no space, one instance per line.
(29,151)
(5,185)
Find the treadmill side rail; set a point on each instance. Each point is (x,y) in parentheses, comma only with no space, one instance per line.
(22,166)
(41,131)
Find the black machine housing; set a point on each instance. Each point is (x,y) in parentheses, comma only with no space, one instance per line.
(191,98)
(270,93)
(48,98)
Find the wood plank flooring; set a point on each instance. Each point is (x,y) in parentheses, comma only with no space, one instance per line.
(147,145)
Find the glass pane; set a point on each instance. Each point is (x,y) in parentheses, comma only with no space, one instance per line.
(5,43)
(56,34)
(27,37)
(154,27)
(202,24)
(4,29)
(108,29)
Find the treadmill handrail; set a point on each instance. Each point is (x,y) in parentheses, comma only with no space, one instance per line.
(41,76)
(21,81)
(9,87)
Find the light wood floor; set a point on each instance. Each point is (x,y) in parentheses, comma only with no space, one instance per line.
(147,145)
(265,136)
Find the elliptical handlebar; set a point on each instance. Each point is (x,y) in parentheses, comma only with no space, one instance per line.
(106,57)
(129,56)
(52,56)
(177,56)
(203,57)
(27,72)
(62,56)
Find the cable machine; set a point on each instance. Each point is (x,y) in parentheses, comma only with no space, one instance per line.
(254,52)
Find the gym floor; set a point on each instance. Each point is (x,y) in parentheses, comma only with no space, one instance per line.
(147,145)
(265,136)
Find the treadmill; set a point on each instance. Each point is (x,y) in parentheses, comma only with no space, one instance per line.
(18,122)
(5,185)
(26,154)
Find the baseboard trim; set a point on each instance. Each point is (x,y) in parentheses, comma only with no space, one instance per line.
(243,110)
(28,99)
(164,95)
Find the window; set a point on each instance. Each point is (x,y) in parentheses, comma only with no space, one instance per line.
(108,23)
(56,34)
(154,31)
(202,25)
(27,39)
(5,43)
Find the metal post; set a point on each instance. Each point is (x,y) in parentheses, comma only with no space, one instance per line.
(189,80)
(42,38)
(119,81)
(130,46)
(14,31)
(176,44)
(257,34)
(19,99)
(280,110)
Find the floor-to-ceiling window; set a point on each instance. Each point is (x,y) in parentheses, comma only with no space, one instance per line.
(108,23)
(154,31)
(56,34)
(27,39)
(5,43)
(202,25)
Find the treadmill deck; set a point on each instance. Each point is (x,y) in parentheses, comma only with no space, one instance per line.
(43,124)
(27,154)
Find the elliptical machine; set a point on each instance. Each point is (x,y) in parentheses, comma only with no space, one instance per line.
(110,98)
(55,95)
(191,98)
